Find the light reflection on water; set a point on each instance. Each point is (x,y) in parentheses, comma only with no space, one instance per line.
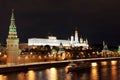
(68,76)
(104,63)
(94,74)
(113,62)
(21,76)
(94,64)
(31,75)
(107,71)
(51,74)
(2,77)
(114,74)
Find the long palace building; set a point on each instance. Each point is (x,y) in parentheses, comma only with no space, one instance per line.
(53,41)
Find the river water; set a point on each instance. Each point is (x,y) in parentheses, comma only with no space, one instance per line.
(105,70)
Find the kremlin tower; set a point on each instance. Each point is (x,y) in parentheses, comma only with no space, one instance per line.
(12,42)
(76,36)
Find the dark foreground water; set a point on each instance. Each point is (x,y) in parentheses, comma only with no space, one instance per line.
(105,70)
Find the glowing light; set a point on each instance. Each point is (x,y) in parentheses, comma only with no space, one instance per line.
(39,57)
(94,74)
(94,64)
(2,77)
(113,62)
(45,57)
(5,56)
(103,63)
(31,75)
(19,57)
(51,74)
(31,53)
(33,56)
(26,57)
(22,53)
(114,72)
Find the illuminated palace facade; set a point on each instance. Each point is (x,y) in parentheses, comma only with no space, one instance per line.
(53,41)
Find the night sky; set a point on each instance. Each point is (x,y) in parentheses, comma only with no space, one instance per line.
(96,20)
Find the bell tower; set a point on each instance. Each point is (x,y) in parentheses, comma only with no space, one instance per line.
(76,35)
(12,42)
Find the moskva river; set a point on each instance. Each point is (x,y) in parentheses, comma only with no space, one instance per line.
(104,70)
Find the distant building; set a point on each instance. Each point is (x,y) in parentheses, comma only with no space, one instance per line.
(53,41)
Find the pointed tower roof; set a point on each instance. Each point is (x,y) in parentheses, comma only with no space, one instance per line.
(86,40)
(103,43)
(12,16)
(12,27)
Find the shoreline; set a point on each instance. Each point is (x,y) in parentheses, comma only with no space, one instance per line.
(43,65)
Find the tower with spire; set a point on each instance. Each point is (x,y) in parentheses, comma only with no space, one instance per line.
(76,35)
(12,42)
(105,50)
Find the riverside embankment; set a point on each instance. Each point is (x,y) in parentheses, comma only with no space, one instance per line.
(42,65)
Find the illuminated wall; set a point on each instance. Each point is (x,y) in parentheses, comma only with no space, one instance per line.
(53,42)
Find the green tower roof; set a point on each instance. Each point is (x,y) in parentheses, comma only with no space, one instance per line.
(118,49)
(12,27)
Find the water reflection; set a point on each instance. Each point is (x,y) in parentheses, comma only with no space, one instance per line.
(68,76)
(75,76)
(105,72)
(113,62)
(97,72)
(21,76)
(51,74)
(114,73)
(94,74)
(2,77)
(31,75)
(40,75)
(104,63)
(94,64)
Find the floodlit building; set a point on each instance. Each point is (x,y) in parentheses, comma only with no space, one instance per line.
(12,43)
(53,41)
